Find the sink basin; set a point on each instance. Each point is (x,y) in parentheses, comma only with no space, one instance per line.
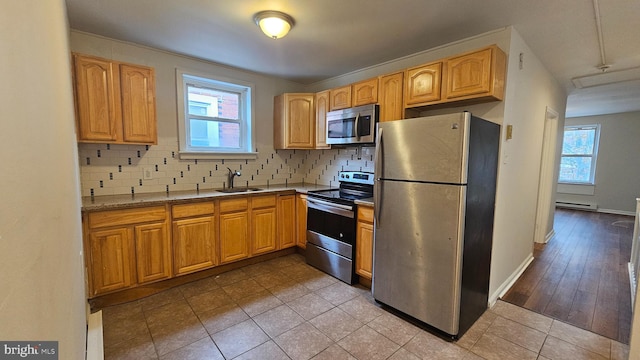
(238,190)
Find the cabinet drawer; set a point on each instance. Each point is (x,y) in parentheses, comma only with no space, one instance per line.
(231,205)
(263,201)
(365,213)
(126,217)
(188,210)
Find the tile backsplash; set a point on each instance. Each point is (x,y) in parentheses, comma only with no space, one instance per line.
(119,169)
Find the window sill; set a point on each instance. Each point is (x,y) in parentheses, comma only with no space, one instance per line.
(183,155)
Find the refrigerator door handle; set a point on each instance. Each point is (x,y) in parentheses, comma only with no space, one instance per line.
(377,189)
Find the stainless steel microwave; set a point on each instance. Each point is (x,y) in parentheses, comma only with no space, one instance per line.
(356,125)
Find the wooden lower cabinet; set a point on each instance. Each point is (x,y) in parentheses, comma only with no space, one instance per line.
(234,229)
(301,220)
(194,244)
(112,259)
(126,248)
(287,221)
(153,252)
(263,224)
(194,237)
(364,242)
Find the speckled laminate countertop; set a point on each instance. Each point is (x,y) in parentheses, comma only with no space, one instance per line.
(112,202)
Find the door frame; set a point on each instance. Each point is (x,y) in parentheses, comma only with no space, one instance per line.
(546,180)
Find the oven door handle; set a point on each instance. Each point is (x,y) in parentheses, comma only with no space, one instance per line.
(344,210)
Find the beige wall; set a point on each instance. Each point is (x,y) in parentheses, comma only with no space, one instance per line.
(530,90)
(617,169)
(41,264)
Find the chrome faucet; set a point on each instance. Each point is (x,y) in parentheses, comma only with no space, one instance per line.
(231,175)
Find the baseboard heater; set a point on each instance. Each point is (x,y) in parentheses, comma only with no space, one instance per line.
(577,205)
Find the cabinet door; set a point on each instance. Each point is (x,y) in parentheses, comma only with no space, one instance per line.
(390,97)
(469,74)
(422,84)
(263,230)
(112,262)
(287,220)
(301,220)
(193,244)
(138,104)
(365,92)
(96,99)
(153,252)
(234,236)
(322,107)
(294,121)
(340,98)
(364,249)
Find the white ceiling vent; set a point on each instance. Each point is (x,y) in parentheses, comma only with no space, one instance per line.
(608,77)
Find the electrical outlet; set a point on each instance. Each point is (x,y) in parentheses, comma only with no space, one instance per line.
(147,173)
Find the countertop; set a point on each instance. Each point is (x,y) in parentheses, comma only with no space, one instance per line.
(111,202)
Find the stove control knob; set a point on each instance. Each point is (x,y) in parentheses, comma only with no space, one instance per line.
(341,235)
(347,176)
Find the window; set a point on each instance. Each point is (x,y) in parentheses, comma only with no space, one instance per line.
(214,118)
(579,153)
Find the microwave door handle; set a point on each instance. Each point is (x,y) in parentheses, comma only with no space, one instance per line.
(357,126)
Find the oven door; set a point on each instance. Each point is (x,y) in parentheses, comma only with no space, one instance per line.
(335,221)
(331,230)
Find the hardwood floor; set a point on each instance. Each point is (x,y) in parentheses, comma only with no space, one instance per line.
(581,277)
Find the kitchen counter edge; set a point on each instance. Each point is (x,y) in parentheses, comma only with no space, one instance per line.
(114,202)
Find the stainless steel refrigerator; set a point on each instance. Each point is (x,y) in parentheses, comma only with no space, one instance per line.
(434,208)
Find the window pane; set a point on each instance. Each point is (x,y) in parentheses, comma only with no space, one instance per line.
(204,133)
(213,103)
(575,169)
(578,141)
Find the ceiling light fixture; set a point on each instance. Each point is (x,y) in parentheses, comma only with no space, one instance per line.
(274,24)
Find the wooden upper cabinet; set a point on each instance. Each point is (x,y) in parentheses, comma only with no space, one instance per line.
(340,98)
(365,92)
(115,102)
(322,107)
(97,113)
(294,121)
(422,84)
(138,104)
(390,96)
(478,74)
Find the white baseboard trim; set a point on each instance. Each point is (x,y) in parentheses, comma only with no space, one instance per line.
(617,212)
(95,344)
(507,284)
(551,234)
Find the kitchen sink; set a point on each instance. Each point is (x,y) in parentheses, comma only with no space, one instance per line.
(238,190)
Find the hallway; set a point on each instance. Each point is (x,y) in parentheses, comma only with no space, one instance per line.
(581,277)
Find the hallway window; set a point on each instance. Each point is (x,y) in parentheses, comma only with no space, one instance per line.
(579,154)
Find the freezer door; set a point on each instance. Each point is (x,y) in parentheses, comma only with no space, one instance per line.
(418,251)
(424,149)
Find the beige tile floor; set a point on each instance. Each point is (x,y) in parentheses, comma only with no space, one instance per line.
(285,309)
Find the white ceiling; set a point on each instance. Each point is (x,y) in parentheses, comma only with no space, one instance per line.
(333,37)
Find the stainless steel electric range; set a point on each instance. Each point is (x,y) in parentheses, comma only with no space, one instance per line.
(331,225)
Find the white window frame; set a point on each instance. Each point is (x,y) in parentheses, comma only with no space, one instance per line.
(594,154)
(246,111)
